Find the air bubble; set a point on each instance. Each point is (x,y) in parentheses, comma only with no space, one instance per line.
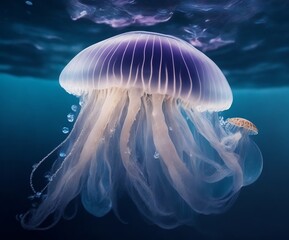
(70,117)
(65,130)
(38,195)
(81,102)
(62,154)
(170,128)
(156,155)
(29,3)
(74,108)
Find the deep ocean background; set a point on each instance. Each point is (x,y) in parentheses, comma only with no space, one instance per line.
(248,40)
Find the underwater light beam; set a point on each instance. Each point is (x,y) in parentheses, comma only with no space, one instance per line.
(149,126)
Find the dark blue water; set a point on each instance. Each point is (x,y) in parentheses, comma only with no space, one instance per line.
(36,42)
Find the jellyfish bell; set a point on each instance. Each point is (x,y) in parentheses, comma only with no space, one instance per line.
(155,64)
(242,123)
(149,126)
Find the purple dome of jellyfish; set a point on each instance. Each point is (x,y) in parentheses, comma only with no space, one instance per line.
(149,127)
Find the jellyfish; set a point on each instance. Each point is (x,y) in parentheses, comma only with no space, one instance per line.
(150,127)
(252,162)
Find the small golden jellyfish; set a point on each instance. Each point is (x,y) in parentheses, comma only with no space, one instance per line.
(244,123)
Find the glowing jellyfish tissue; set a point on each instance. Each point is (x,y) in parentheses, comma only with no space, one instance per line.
(149,127)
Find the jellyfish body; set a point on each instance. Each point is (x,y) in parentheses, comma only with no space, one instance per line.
(150,127)
(247,150)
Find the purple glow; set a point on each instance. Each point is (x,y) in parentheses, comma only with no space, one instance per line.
(211,25)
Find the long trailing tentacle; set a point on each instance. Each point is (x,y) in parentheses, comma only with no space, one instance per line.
(67,180)
(173,161)
(177,171)
(135,173)
(35,167)
(205,126)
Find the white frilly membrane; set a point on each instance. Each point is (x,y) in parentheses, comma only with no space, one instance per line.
(173,161)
